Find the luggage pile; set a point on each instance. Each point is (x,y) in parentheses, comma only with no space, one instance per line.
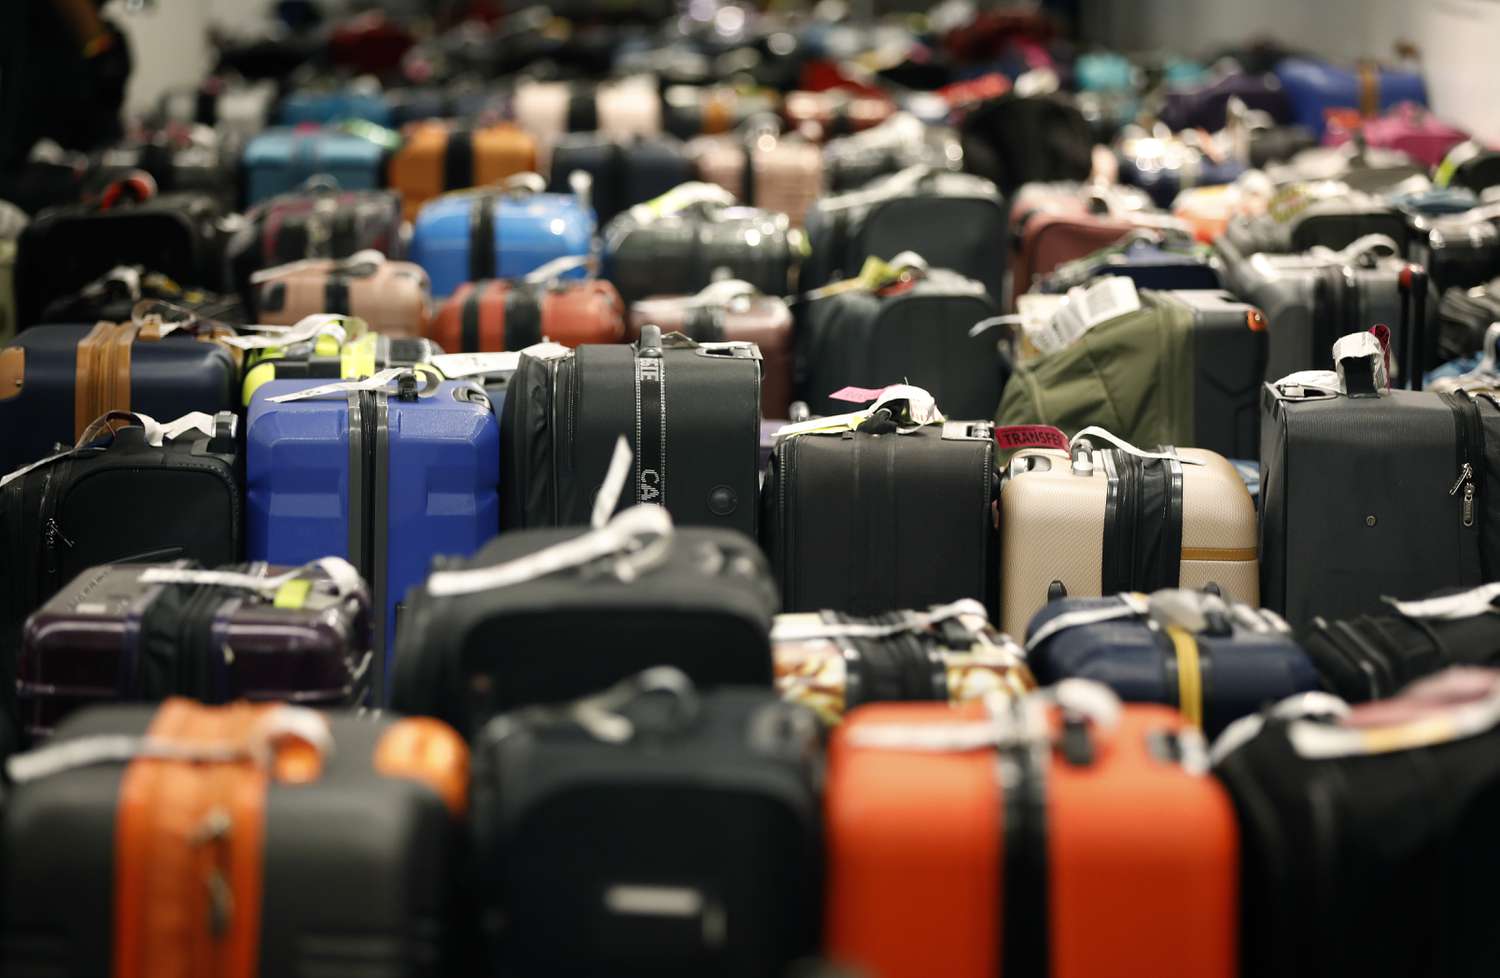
(599,493)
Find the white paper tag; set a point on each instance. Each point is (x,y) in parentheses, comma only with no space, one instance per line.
(1120,444)
(1469,604)
(556,268)
(363,263)
(679,199)
(321,324)
(614,484)
(456,365)
(922,409)
(340,573)
(374,382)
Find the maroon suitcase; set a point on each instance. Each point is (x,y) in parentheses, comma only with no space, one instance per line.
(112,636)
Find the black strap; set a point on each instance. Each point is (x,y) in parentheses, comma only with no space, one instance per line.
(704,324)
(482,237)
(343,239)
(468,320)
(176,654)
(458,160)
(291,240)
(1024,924)
(583,111)
(747,175)
(1142,548)
(523,316)
(336,294)
(650,427)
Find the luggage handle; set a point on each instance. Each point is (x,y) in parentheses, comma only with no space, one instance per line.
(600,715)
(1120,444)
(337,573)
(281,724)
(1412,283)
(1466,604)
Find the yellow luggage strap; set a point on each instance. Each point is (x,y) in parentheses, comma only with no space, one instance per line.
(1189,675)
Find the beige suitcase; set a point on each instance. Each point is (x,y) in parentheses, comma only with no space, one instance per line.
(1108,520)
(392,297)
(785,175)
(619,109)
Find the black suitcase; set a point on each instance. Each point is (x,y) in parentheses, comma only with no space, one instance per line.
(1367,840)
(1015,140)
(689,411)
(114,500)
(652,890)
(863,521)
(699,600)
(1463,318)
(623,174)
(916,332)
(681,253)
(1374,656)
(1333,223)
(339,857)
(1459,250)
(953,220)
(851,162)
(114,296)
(66,248)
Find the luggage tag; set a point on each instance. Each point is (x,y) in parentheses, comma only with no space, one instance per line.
(393,379)
(1455,714)
(1451,607)
(288,590)
(681,198)
(921,410)
(875,275)
(456,365)
(1120,444)
(281,723)
(308,328)
(797,628)
(557,268)
(361,264)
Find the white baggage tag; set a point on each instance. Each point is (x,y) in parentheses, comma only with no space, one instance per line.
(375,382)
(340,574)
(1468,604)
(456,365)
(556,268)
(680,198)
(321,324)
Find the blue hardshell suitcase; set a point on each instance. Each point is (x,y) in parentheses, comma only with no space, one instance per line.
(494,233)
(280,161)
(317,108)
(386,479)
(170,377)
(1314,87)
(1245,658)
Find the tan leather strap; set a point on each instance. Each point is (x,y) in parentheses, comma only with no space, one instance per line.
(84,371)
(430,751)
(12,371)
(188,852)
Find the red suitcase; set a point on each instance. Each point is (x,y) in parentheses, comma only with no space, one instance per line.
(495,315)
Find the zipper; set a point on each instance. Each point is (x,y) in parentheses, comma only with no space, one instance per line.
(1469,450)
(52,534)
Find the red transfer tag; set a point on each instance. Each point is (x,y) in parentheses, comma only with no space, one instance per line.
(1017,436)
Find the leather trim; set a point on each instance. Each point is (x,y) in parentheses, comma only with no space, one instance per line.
(84,371)
(1221,554)
(427,750)
(12,372)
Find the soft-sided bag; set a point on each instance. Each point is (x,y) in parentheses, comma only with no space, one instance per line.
(1407,127)
(658,894)
(1015,139)
(1206,106)
(1151,259)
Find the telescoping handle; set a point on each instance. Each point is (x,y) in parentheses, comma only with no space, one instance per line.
(1412,284)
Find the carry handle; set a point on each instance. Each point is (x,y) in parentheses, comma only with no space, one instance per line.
(600,715)
(649,345)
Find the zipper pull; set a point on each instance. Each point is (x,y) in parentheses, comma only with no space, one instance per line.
(1464,475)
(1468,509)
(53,533)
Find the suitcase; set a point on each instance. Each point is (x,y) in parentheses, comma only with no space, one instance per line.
(499,232)
(694,405)
(1367,832)
(392,297)
(968,844)
(496,314)
(370,43)
(13,221)
(657,895)
(1206,106)
(617,110)
(1165,169)
(280,161)
(1469,165)
(661,251)
(310,107)
(235,108)
(1111,520)
(318,220)
(181,160)
(1151,259)
(1459,250)
(107,871)
(1057,224)
(55,380)
(1014,140)
(116,634)
(1317,90)
(690,110)
(61,515)
(437,157)
(1390,493)
(473,646)
(744,316)
(385,479)
(916,329)
(1214,660)
(1407,128)
(851,162)
(66,248)
(762,170)
(115,295)
(1463,318)
(1296,225)
(824,115)
(1184,369)
(832,663)
(841,510)
(953,220)
(622,174)
(325,355)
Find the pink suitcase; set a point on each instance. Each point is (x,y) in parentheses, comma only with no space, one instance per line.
(392,297)
(1407,127)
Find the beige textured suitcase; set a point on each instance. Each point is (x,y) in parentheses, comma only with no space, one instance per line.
(620,109)
(1106,520)
(784,175)
(392,297)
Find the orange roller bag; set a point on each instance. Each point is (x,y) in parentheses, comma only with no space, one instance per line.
(1060,834)
(495,315)
(440,156)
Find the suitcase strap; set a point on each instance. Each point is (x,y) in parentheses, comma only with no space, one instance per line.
(482,237)
(101,380)
(458,160)
(522,320)
(650,419)
(1191,671)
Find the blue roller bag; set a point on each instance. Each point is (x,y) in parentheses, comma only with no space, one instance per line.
(1149,263)
(279,161)
(387,479)
(1314,87)
(302,108)
(498,233)
(1163,184)
(1214,660)
(40,403)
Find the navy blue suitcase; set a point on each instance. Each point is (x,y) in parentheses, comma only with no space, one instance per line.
(1214,660)
(1144,259)
(386,478)
(39,402)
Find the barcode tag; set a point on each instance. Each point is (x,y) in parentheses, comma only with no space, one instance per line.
(374,382)
(1106,299)
(306,329)
(456,365)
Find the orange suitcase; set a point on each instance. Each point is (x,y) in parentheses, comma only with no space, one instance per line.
(495,315)
(968,844)
(440,156)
